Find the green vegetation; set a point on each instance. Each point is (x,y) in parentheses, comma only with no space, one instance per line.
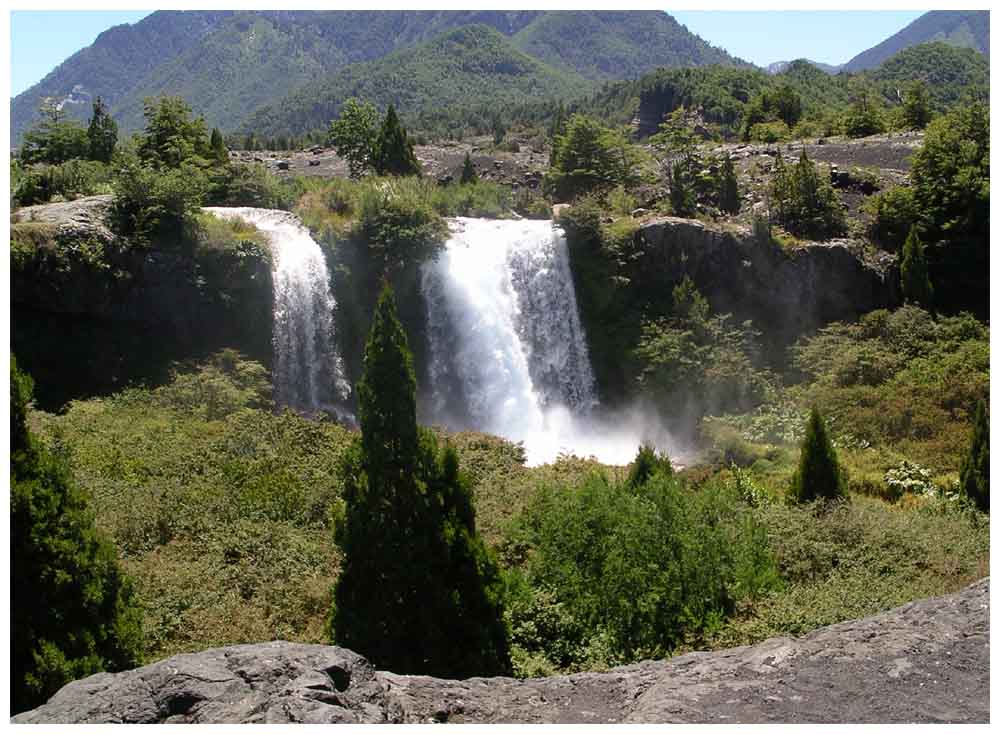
(916,284)
(354,134)
(450,85)
(804,202)
(406,505)
(393,150)
(819,476)
(975,476)
(102,133)
(73,611)
(631,569)
(589,158)
(469,175)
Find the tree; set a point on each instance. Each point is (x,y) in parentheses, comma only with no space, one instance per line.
(393,149)
(220,154)
(864,117)
(102,133)
(54,139)
(975,476)
(804,202)
(589,157)
(916,106)
(951,191)
(468,171)
(729,192)
(354,135)
(73,612)
(418,591)
(916,282)
(172,136)
(819,475)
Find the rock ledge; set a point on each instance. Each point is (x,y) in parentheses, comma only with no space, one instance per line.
(927,661)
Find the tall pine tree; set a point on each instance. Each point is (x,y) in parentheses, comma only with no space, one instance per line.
(975,476)
(217,146)
(102,133)
(469,175)
(915,279)
(393,155)
(819,475)
(418,591)
(729,192)
(73,613)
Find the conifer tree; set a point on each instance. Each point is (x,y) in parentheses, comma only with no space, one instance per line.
(393,154)
(915,280)
(418,591)
(729,192)
(819,475)
(975,476)
(916,106)
(102,133)
(73,613)
(468,171)
(220,154)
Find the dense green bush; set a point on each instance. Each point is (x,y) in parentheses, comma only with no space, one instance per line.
(69,180)
(694,361)
(633,569)
(589,157)
(73,611)
(408,507)
(400,227)
(804,202)
(893,213)
(951,191)
(151,203)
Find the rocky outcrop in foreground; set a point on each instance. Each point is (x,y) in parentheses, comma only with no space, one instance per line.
(927,661)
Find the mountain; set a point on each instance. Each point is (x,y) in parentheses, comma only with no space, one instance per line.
(964,28)
(114,63)
(474,67)
(779,67)
(616,45)
(226,64)
(950,72)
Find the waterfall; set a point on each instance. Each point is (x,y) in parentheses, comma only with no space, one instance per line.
(507,351)
(308,373)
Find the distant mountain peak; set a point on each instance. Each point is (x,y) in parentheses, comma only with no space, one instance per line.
(964,28)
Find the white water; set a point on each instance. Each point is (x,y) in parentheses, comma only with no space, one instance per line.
(308,373)
(508,354)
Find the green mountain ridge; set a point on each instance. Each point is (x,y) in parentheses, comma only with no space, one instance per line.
(474,66)
(227,64)
(963,28)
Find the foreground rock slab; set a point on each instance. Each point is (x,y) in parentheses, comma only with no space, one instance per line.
(927,661)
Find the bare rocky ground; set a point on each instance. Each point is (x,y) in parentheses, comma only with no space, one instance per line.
(523,164)
(927,661)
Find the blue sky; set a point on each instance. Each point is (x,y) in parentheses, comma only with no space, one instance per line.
(41,40)
(763,37)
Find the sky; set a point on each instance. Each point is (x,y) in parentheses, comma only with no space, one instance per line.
(41,40)
(763,37)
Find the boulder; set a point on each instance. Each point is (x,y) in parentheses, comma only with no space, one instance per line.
(927,661)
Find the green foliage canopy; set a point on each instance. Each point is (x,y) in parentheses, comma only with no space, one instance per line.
(73,612)
(409,510)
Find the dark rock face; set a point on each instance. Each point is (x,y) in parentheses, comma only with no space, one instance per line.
(91,312)
(790,293)
(927,661)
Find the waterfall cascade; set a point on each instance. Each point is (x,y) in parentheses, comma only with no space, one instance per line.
(308,372)
(508,354)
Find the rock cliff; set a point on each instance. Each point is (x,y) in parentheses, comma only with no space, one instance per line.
(927,661)
(788,291)
(91,311)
